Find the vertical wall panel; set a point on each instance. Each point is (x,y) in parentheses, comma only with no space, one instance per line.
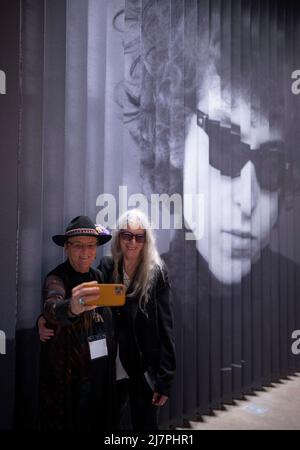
(30,216)
(236,287)
(9,132)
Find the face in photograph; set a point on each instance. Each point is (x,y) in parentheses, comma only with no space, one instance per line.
(233,162)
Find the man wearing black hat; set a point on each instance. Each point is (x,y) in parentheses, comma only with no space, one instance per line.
(76,367)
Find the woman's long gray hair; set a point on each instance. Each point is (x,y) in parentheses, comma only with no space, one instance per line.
(149,256)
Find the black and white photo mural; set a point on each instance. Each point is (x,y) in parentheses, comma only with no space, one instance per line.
(210,102)
(190,110)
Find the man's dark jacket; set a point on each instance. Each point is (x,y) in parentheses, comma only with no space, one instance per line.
(74,391)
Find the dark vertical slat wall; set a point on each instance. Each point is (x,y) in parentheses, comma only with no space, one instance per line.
(191,361)
(9,132)
(230,338)
(30,206)
(284,238)
(266,309)
(203,279)
(275,372)
(54,97)
(236,69)
(56,182)
(75,144)
(245,289)
(226,304)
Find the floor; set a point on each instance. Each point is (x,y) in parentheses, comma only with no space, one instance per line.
(274,408)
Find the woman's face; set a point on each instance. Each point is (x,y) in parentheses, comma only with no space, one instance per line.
(132,242)
(236,213)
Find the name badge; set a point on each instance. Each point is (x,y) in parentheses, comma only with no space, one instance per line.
(98,346)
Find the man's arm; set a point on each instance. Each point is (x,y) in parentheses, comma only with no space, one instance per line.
(56,307)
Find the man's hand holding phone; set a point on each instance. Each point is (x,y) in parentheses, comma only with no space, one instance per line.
(84,297)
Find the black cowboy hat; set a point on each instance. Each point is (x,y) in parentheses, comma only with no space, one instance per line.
(83,226)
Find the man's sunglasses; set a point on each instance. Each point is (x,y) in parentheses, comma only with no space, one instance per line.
(128,236)
(228,154)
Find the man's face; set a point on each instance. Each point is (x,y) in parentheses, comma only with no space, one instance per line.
(81,251)
(239,211)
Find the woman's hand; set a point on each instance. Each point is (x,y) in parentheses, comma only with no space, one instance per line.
(159,399)
(82,296)
(44,332)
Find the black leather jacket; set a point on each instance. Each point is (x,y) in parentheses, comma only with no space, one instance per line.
(146,341)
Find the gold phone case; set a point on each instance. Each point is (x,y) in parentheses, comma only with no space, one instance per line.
(109,294)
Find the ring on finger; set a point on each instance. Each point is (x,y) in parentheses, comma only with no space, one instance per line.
(81,301)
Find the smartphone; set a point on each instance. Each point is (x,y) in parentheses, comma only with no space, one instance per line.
(109,294)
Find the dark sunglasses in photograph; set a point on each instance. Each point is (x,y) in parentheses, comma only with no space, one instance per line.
(128,236)
(228,154)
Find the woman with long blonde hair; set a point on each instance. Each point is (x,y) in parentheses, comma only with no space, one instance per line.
(146,353)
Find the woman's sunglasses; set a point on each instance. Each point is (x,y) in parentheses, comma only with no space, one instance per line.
(128,236)
(228,154)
